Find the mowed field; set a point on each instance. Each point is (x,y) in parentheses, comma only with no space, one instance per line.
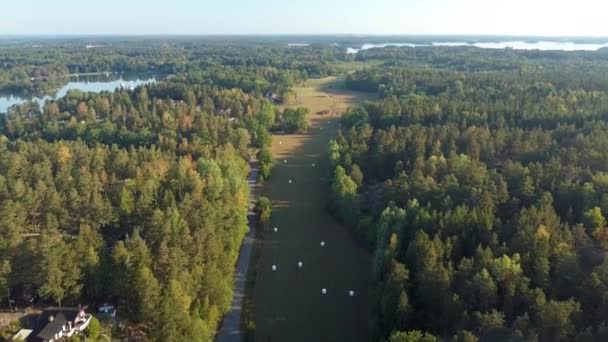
(288,304)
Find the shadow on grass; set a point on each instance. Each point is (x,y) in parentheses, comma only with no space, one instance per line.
(337,87)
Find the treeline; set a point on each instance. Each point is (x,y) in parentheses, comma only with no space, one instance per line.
(137,198)
(256,66)
(483,196)
(474,59)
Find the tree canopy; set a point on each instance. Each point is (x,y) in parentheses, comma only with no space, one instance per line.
(477,179)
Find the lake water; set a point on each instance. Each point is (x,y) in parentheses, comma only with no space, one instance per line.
(94,84)
(517,45)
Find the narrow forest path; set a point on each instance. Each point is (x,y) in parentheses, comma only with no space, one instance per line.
(230,330)
(288,304)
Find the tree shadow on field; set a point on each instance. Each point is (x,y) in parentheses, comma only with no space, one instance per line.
(336,87)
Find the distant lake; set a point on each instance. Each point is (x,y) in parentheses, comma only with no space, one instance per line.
(517,45)
(94,84)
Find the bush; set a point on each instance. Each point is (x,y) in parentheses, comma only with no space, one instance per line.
(263,210)
(266,162)
(8,331)
(294,120)
(94,329)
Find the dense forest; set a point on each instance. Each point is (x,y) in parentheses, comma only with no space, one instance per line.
(480,182)
(137,197)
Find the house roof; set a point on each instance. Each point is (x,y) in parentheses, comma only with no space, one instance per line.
(46,329)
(49,331)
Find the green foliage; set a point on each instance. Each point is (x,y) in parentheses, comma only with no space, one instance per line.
(126,201)
(481,193)
(175,321)
(266,115)
(5,271)
(146,295)
(94,330)
(558,320)
(10,330)
(266,161)
(60,276)
(263,210)
(412,336)
(344,194)
(594,219)
(293,120)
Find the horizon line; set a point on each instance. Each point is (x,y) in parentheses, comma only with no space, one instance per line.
(294,35)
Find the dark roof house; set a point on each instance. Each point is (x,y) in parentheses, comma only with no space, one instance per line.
(56,323)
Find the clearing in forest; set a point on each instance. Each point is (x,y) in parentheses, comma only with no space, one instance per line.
(287,303)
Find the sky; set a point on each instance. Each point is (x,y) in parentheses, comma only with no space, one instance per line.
(132,17)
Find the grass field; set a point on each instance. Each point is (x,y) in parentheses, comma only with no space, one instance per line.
(288,304)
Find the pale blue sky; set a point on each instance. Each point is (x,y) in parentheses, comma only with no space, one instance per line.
(514,17)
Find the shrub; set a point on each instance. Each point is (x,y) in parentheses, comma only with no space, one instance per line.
(263,210)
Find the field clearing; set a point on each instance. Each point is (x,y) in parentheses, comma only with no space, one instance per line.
(288,304)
